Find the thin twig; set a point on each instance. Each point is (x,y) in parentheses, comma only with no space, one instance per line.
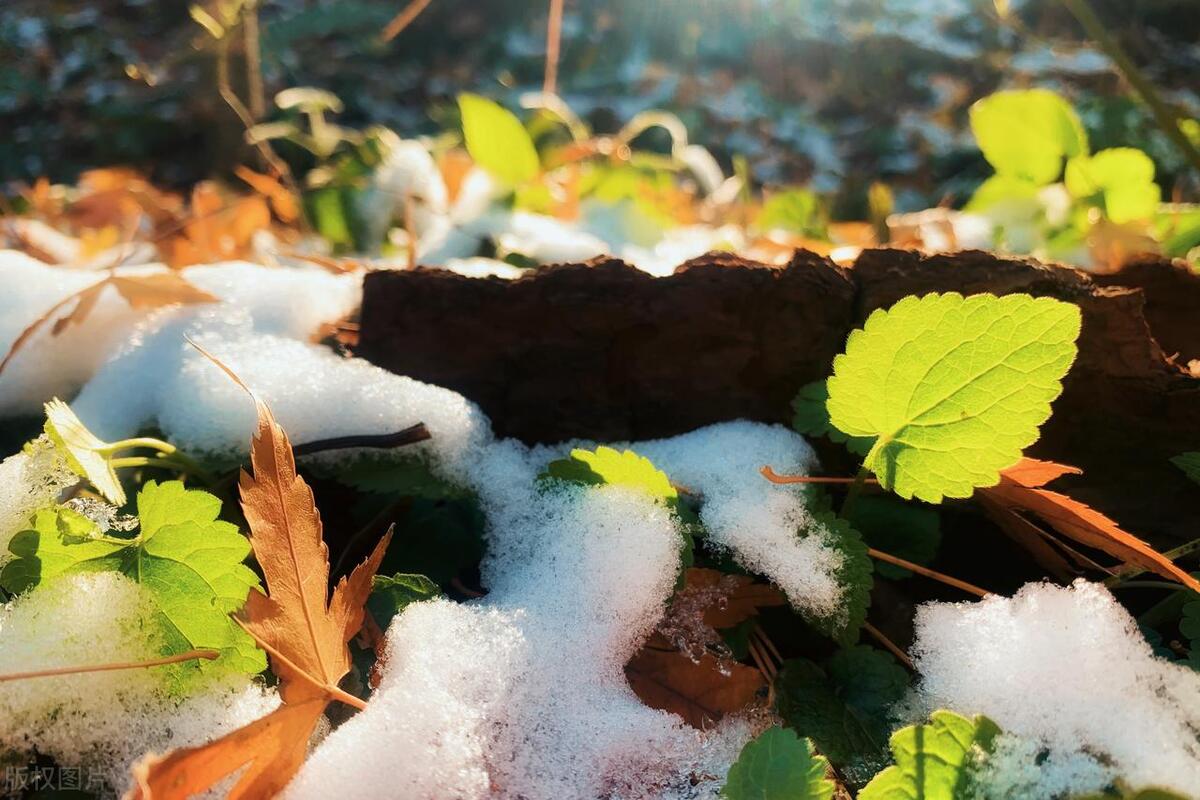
(553,46)
(928,573)
(775,477)
(254,79)
(190,655)
(384,441)
(889,645)
(1164,115)
(402,20)
(1125,573)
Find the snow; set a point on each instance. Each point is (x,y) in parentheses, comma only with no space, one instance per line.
(1066,669)
(101,722)
(29,480)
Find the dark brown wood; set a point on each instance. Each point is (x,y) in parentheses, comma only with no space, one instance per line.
(604,351)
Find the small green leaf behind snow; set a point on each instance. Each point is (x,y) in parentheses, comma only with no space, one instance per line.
(953,387)
(778,765)
(391,594)
(934,761)
(907,530)
(854,576)
(811,418)
(190,562)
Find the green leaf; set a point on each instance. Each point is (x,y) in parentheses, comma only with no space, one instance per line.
(1003,189)
(900,529)
(796,210)
(933,761)
(189,561)
(1027,133)
(1123,176)
(497,140)
(437,538)
(83,450)
(606,466)
(403,476)
(1189,463)
(811,418)
(954,388)
(854,576)
(392,594)
(845,708)
(778,765)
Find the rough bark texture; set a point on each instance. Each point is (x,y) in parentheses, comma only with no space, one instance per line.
(603,351)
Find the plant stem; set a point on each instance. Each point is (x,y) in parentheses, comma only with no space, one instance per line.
(1164,115)
(250,42)
(928,573)
(855,489)
(402,20)
(553,46)
(346,697)
(410,435)
(190,655)
(889,645)
(775,477)
(1125,573)
(167,451)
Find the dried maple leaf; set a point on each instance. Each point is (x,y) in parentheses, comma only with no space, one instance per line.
(701,692)
(303,628)
(1020,489)
(140,291)
(736,605)
(216,231)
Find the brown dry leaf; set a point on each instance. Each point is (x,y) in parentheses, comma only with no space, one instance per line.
(140,291)
(216,231)
(94,241)
(700,693)
(282,201)
(1020,489)
(119,198)
(454,165)
(740,604)
(304,630)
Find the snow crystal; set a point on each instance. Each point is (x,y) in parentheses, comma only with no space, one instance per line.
(102,722)
(29,481)
(768,527)
(1067,669)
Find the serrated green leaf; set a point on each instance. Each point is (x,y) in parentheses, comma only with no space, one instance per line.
(934,761)
(397,476)
(391,594)
(1123,176)
(497,140)
(854,576)
(954,388)
(1189,463)
(898,528)
(1027,133)
(844,708)
(606,466)
(811,418)
(778,765)
(191,563)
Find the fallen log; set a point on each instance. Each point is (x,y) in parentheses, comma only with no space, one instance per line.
(603,351)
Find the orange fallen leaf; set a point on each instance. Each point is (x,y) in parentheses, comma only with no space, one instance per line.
(215,230)
(282,201)
(700,692)
(1020,489)
(304,629)
(140,291)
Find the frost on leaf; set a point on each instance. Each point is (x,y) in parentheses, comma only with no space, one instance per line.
(188,560)
(934,761)
(954,388)
(778,765)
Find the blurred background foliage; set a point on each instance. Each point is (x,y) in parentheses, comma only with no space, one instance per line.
(832,93)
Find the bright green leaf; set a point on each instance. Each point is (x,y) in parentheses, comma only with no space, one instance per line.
(1008,190)
(604,465)
(83,450)
(1189,463)
(1125,178)
(778,765)
(795,210)
(811,418)
(909,531)
(933,761)
(954,388)
(191,563)
(1027,133)
(497,140)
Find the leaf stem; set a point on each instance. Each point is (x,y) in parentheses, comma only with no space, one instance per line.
(855,490)
(190,655)
(889,645)
(346,697)
(1125,573)
(928,573)
(775,477)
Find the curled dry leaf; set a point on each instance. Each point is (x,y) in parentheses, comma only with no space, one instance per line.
(304,630)
(215,230)
(283,202)
(1020,489)
(140,291)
